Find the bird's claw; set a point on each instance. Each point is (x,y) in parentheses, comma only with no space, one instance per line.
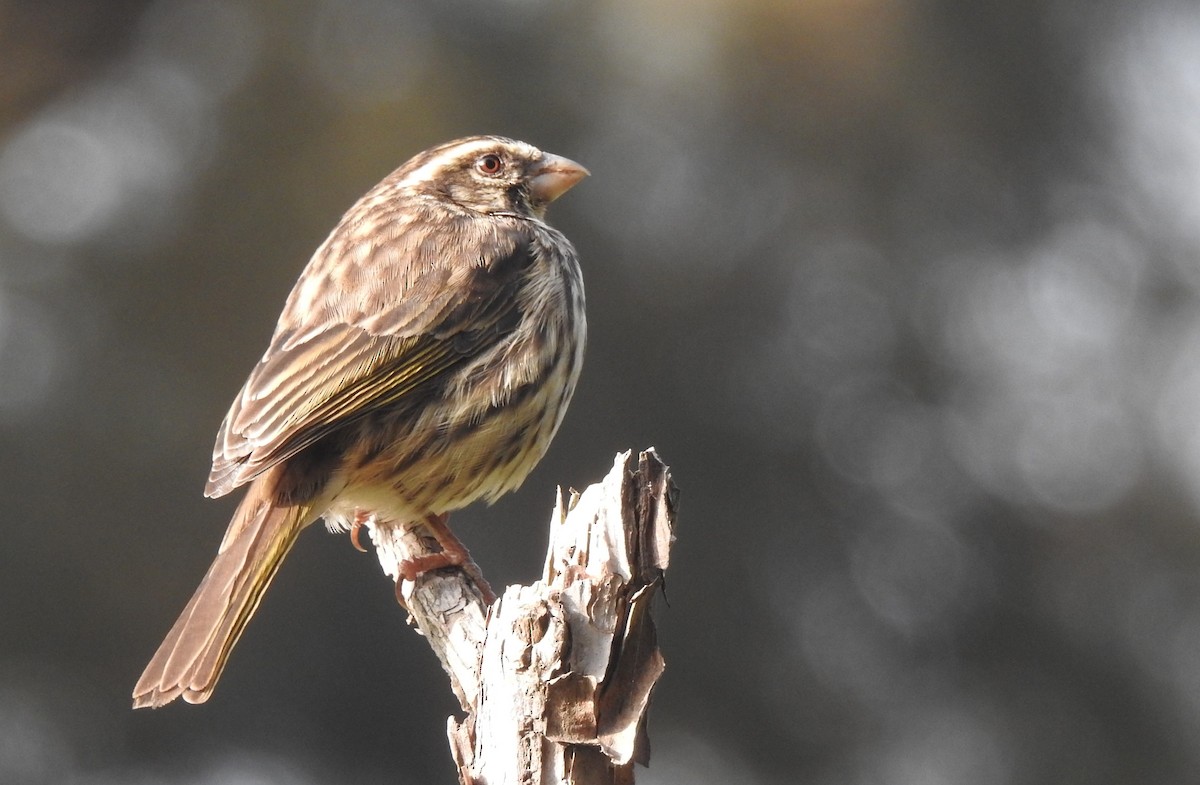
(360,518)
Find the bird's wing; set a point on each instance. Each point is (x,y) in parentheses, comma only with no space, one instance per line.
(314,380)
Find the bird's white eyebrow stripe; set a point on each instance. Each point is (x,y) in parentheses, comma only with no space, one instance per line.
(425,171)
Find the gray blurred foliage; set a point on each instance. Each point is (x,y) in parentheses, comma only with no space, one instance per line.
(908,294)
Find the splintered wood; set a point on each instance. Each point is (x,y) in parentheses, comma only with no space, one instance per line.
(555,678)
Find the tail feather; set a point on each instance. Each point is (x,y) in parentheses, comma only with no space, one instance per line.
(191,658)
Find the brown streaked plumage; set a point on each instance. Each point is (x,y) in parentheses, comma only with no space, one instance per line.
(423,361)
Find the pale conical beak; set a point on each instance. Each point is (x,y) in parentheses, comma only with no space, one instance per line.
(553,177)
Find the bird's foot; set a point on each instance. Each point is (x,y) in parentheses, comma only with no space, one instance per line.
(452,554)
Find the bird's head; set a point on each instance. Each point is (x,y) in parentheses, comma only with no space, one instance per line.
(492,175)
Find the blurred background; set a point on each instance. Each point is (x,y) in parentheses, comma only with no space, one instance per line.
(907,293)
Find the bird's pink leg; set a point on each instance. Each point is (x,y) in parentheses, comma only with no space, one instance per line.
(453,554)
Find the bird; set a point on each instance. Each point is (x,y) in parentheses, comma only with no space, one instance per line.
(423,361)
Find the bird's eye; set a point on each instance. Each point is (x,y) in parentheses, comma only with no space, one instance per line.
(490,164)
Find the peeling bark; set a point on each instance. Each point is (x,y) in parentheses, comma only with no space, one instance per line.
(554,678)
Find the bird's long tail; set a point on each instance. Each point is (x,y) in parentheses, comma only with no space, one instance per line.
(190,660)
